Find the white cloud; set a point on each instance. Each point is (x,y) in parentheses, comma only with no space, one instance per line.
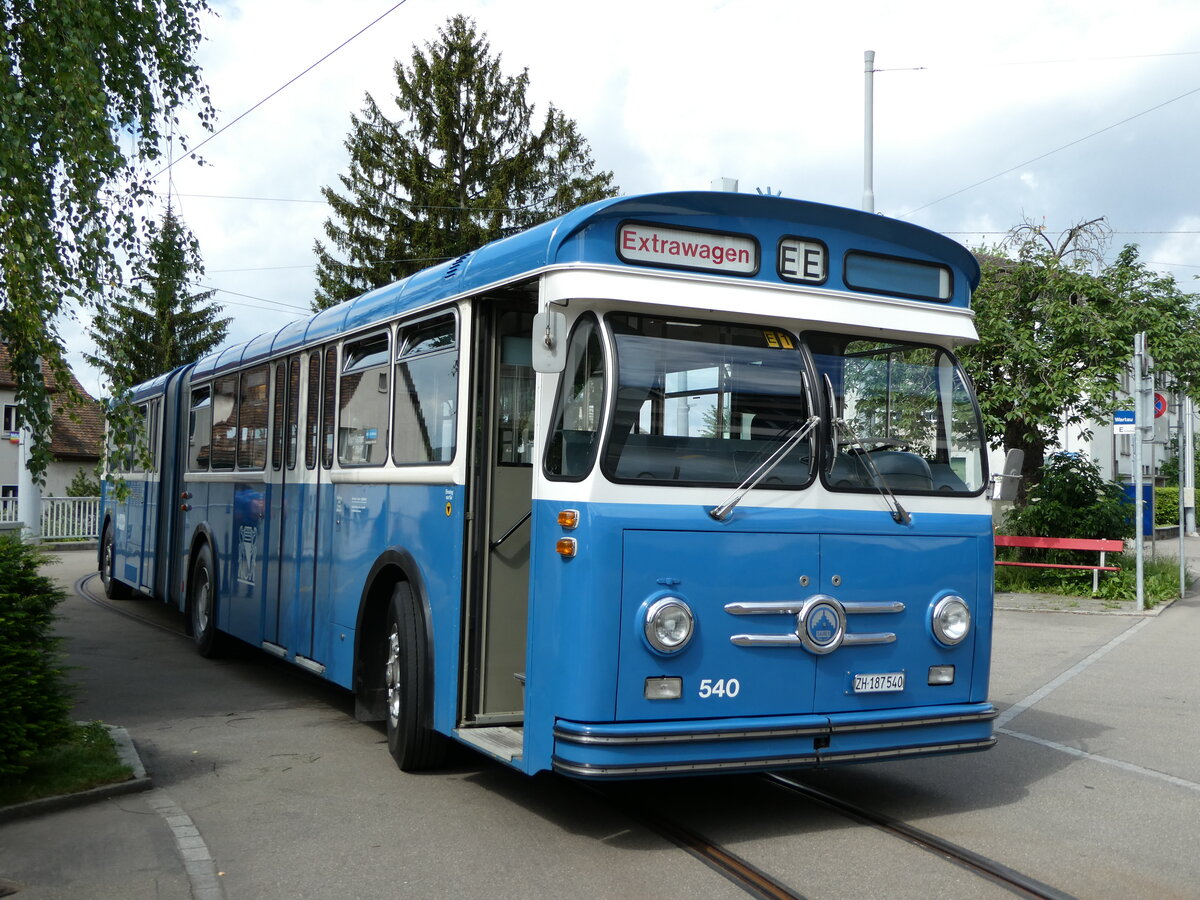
(673,93)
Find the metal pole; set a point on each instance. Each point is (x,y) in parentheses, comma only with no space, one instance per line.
(1139,417)
(868,201)
(1188,463)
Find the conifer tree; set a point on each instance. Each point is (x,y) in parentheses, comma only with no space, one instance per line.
(160,323)
(463,163)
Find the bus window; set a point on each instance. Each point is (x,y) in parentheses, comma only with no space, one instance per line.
(199,429)
(277,428)
(224,432)
(706,403)
(252,419)
(140,450)
(572,448)
(514,390)
(912,423)
(293,408)
(328,397)
(363,397)
(426,400)
(312,411)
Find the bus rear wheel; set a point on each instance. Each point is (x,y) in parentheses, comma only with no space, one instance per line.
(113,589)
(202,604)
(413,744)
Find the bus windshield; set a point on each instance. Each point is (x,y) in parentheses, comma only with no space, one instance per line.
(705,403)
(908,420)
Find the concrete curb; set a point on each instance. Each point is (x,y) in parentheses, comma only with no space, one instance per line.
(128,754)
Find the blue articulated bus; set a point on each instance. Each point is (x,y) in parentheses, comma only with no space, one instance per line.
(676,483)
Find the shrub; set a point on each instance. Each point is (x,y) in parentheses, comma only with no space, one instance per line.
(34,695)
(1166,506)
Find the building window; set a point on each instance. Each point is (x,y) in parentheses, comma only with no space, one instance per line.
(12,418)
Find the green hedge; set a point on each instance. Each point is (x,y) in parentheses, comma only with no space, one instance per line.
(35,701)
(1166,506)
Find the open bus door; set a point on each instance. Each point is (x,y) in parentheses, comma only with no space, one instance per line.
(502,489)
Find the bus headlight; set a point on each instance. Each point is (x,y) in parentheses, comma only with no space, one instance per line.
(669,624)
(951,620)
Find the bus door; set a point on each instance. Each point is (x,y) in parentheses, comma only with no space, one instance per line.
(282,566)
(504,473)
(300,479)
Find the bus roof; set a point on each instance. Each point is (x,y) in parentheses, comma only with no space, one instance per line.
(589,235)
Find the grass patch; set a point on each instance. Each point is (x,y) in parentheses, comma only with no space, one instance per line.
(1161,581)
(87,760)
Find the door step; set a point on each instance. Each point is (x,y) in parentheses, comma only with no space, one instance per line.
(503,741)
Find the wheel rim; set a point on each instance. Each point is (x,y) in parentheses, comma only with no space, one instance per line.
(202,605)
(391,676)
(106,568)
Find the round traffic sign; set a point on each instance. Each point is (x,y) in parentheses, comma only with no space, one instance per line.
(1160,405)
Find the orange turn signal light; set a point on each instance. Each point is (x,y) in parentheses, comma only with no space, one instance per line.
(566,547)
(568,518)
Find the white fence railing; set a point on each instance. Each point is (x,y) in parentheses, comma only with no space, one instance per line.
(63,518)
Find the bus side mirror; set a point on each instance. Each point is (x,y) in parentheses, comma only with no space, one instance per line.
(1005,484)
(549,355)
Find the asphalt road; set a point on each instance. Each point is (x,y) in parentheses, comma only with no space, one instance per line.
(266,787)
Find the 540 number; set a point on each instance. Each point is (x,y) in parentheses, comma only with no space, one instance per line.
(719,687)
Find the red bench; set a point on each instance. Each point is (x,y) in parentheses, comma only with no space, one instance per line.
(1101,545)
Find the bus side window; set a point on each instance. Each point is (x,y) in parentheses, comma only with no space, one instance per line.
(363,414)
(312,411)
(225,417)
(293,410)
(426,394)
(199,429)
(254,406)
(277,427)
(329,396)
(578,411)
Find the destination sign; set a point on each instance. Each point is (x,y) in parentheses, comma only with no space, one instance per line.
(659,246)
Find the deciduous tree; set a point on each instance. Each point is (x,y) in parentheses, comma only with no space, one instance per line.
(1056,333)
(462,163)
(88,91)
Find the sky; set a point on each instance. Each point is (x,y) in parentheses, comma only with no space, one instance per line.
(985,116)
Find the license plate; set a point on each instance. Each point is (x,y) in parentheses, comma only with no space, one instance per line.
(879,683)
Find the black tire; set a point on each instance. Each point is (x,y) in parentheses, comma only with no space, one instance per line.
(202,604)
(405,657)
(113,589)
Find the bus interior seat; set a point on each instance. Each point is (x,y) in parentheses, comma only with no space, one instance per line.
(903,471)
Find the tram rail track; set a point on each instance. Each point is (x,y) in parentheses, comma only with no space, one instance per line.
(759,883)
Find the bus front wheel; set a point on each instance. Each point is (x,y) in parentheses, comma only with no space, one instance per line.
(113,589)
(413,744)
(202,604)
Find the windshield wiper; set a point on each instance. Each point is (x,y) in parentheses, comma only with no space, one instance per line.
(899,514)
(802,431)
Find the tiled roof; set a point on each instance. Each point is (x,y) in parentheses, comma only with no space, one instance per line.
(76,433)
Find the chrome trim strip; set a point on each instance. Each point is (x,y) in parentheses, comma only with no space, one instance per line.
(792,640)
(881,637)
(687,737)
(894,606)
(275,649)
(906,723)
(783,608)
(690,737)
(584,770)
(765,640)
(789,608)
(859,755)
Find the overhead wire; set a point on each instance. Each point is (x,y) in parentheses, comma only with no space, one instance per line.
(1042,156)
(285,85)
